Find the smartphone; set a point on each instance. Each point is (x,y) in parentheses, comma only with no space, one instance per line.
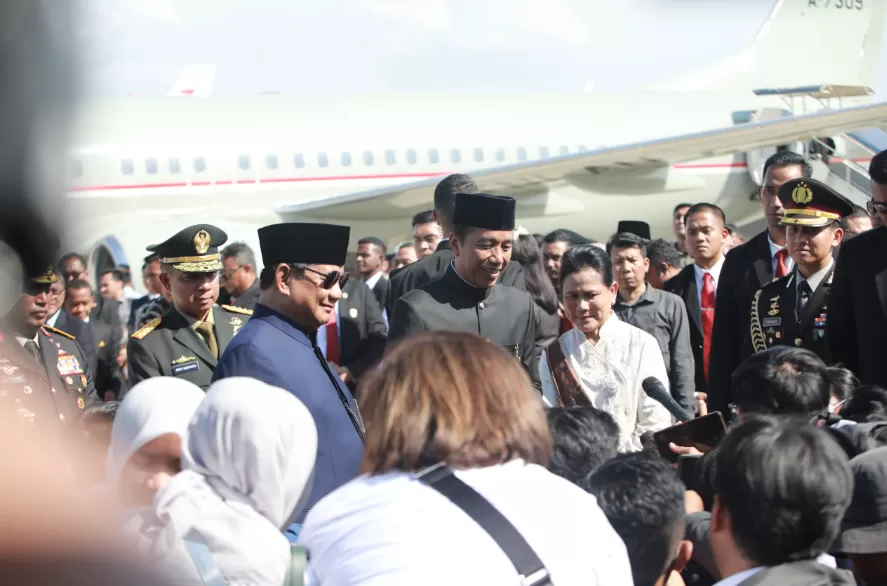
(687,470)
(702,433)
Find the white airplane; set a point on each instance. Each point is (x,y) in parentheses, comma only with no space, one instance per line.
(143,169)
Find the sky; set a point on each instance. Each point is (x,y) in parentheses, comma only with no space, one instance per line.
(318,47)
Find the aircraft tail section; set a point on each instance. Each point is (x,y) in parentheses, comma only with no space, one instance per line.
(802,43)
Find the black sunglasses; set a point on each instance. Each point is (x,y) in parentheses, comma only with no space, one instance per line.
(330,279)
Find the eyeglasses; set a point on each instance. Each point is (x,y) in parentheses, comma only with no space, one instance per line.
(72,275)
(228,274)
(330,279)
(876,207)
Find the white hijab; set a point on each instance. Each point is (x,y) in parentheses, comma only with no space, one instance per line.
(152,408)
(247,465)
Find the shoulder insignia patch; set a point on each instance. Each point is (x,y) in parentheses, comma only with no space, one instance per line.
(147,329)
(237,309)
(59,332)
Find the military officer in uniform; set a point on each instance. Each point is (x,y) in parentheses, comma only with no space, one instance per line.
(44,376)
(468,297)
(793,310)
(188,339)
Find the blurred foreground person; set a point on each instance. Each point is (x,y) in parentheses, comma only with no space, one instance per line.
(433,408)
(602,361)
(246,473)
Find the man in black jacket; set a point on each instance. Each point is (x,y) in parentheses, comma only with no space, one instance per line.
(432,268)
(746,269)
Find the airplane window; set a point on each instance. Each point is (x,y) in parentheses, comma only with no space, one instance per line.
(564,150)
(126,166)
(521,154)
(543,152)
(390,157)
(151,166)
(299,161)
(77,168)
(479,155)
(271,161)
(346,159)
(199,164)
(243,162)
(500,155)
(322,160)
(433,157)
(456,155)
(174,166)
(367,158)
(411,156)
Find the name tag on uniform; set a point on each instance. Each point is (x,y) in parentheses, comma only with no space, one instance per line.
(184,365)
(68,365)
(770,322)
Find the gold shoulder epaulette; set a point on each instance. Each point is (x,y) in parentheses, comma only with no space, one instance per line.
(237,309)
(147,328)
(59,332)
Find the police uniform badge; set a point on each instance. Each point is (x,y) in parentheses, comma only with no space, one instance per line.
(236,323)
(801,194)
(202,240)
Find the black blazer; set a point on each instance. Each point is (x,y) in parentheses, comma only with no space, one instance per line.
(684,286)
(108,376)
(856,328)
(362,331)
(250,297)
(748,267)
(432,268)
(108,311)
(134,310)
(380,291)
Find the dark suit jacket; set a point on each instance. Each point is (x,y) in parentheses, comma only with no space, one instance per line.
(83,335)
(250,296)
(380,291)
(108,376)
(684,286)
(747,268)
(362,331)
(431,268)
(857,313)
(108,311)
(272,349)
(134,310)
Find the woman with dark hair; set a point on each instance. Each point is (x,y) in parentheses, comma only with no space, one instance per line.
(527,253)
(454,399)
(602,361)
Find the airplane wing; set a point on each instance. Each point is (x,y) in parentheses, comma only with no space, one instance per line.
(527,181)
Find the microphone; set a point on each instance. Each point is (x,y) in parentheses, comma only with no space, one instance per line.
(656,391)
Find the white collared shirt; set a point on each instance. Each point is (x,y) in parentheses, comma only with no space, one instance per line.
(739,578)
(715,273)
(371,282)
(774,248)
(55,317)
(815,280)
(22,341)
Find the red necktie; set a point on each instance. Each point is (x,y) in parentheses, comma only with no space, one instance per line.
(781,268)
(332,338)
(708,317)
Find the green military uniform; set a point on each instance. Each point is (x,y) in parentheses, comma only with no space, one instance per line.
(50,387)
(177,344)
(793,310)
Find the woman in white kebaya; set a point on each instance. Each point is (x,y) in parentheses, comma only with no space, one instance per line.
(609,358)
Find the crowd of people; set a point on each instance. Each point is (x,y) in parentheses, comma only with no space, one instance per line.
(481,405)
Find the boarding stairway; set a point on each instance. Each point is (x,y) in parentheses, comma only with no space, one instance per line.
(840,161)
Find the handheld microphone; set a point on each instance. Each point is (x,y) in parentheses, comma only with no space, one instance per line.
(656,391)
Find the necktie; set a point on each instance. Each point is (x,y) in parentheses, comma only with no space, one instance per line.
(33,350)
(708,317)
(781,268)
(804,294)
(332,338)
(205,329)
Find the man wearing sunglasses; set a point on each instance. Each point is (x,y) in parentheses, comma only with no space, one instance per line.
(301,284)
(857,327)
(187,340)
(44,375)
